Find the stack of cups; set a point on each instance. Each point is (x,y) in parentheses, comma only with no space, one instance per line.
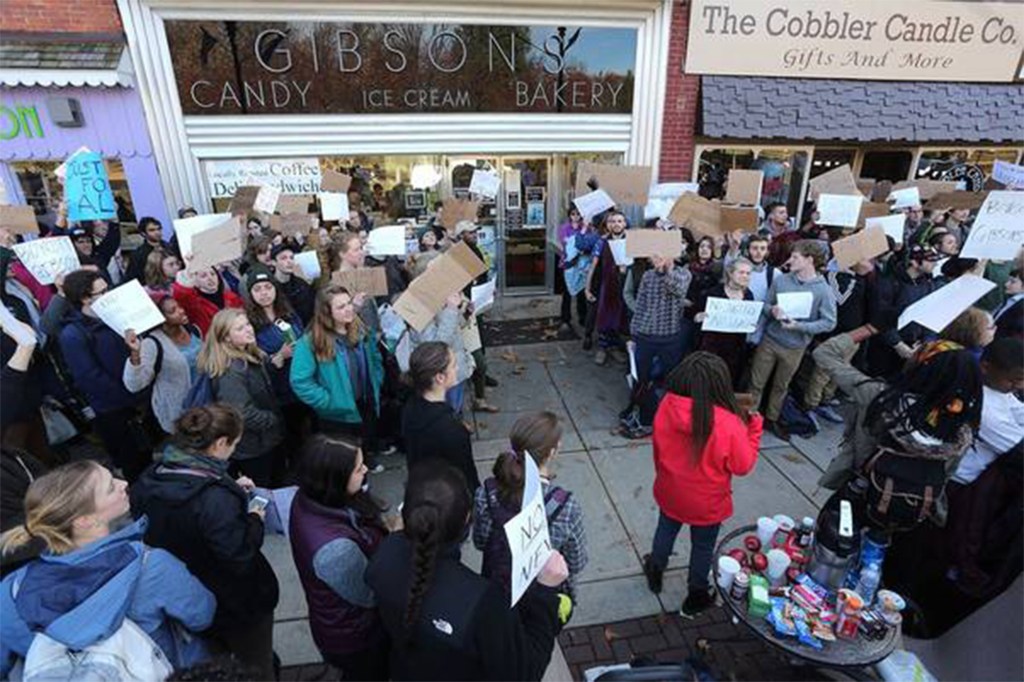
(727,570)
(766,527)
(778,562)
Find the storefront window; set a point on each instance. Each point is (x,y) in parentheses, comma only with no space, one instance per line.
(830,159)
(887,164)
(784,173)
(44,191)
(972,166)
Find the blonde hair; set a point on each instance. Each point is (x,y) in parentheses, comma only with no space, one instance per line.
(154,271)
(52,504)
(968,328)
(322,330)
(341,243)
(217,353)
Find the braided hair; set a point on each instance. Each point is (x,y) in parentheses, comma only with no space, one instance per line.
(705,379)
(937,394)
(435,513)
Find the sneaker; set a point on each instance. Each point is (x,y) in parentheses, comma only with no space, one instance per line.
(389,450)
(696,603)
(588,342)
(490,381)
(654,575)
(638,433)
(777,430)
(601,357)
(811,417)
(829,414)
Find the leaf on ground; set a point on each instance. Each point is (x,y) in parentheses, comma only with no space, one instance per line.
(610,635)
(519,369)
(549,334)
(792,457)
(637,491)
(509,356)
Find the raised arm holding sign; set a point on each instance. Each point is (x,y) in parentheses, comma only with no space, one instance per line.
(128,307)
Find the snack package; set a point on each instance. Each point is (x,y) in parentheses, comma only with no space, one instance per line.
(757,597)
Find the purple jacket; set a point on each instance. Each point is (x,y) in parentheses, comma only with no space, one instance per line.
(565,232)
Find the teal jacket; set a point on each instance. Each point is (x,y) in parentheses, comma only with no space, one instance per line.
(326,387)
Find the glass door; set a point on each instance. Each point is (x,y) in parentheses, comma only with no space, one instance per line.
(460,175)
(526,221)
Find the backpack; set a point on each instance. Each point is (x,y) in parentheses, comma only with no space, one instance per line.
(902,488)
(158,364)
(128,654)
(202,393)
(497,557)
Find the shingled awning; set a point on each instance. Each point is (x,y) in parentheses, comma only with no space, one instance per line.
(64,61)
(860,111)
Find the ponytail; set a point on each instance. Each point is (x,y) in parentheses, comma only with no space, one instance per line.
(200,427)
(537,434)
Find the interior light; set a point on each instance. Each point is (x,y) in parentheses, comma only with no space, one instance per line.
(424,176)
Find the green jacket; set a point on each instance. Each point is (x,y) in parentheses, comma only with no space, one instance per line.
(326,386)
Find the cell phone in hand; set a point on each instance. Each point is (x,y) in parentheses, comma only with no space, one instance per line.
(258,504)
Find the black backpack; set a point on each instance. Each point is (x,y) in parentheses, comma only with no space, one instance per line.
(902,488)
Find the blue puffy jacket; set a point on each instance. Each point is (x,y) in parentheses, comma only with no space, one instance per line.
(82,597)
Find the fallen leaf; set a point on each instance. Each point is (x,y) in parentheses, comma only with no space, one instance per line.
(519,369)
(610,635)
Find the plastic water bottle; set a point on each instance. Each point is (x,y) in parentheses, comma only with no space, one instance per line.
(870,576)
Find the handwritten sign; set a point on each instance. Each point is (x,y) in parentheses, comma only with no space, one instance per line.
(333,206)
(19,219)
(867,243)
(386,241)
(87,188)
(729,316)
(484,183)
(187,228)
(647,243)
(837,181)
(592,203)
(891,224)
(527,533)
(1010,174)
(998,231)
(48,258)
(841,210)
(936,310)
(128,307)
(267,198)
(427,294)
(796,304)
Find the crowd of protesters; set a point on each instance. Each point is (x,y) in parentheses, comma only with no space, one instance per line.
(260,378)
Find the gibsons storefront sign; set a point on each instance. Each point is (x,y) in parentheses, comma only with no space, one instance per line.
(230,67)
(860,39)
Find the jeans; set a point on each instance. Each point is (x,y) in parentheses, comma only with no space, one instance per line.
(581,307)
(702,549)
(670,350)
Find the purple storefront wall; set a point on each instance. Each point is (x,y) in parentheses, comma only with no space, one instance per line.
(114,125)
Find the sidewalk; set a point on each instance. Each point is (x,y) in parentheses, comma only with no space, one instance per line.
(612,478)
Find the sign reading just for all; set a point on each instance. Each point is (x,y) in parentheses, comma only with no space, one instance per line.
(858,39)
(261,67)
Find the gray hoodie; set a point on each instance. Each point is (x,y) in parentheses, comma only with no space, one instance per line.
(823,311)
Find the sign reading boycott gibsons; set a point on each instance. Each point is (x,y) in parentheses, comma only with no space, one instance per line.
(258,67)
(859,39)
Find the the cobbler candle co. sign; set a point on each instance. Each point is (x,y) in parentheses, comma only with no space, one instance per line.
(228,67)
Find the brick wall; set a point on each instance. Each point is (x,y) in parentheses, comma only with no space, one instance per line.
(679,123)
(60,16)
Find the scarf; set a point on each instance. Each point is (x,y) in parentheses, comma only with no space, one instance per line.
(178,458)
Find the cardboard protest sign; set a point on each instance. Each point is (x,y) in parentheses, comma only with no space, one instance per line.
(19,219)
(840,210)
(593,203)
(936,310)
(744,187)
(908,197)
(1009,174)
(618,249)
(958,199)
(926,189)
(386,241)
(427,294)
(743,218)
(294,203)
(866,186)
(48,258)
(87,188)
(293,224)
(333,206)
(624,184)
(892,225)
(219,244)
(698,214)
(662,197)
(482,296)
(527,532)
(244,200)
(867,243)
(309,263)
(796,304)
(731,316)
(333,181)
(369,281)
(647,243)
(267,198)
(484,183)
(837,181)
(456,210)
(187,228)
(128,307)
(880,192)
(870,209)
(998,230)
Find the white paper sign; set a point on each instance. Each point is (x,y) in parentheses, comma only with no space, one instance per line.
(1010,174)
(266,199)
(483,296)
(796,304)
(333,206)
(618,247)
(727,315)
(22,334)
(840,210)
(662,197)
(936,310)
(592,203)
(128,307)
(186,228)
(309,263)
(908,197)
(892,224)
(484,183)
(998,231)
(48,258)
(527,533)
(386,241)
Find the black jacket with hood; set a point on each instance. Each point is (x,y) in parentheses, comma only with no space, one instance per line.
(432,431)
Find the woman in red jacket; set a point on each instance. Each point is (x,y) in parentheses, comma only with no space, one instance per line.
(702,438)
(202,295)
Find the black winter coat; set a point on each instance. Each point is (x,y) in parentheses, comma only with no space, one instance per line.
(203,520)
(432,431)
